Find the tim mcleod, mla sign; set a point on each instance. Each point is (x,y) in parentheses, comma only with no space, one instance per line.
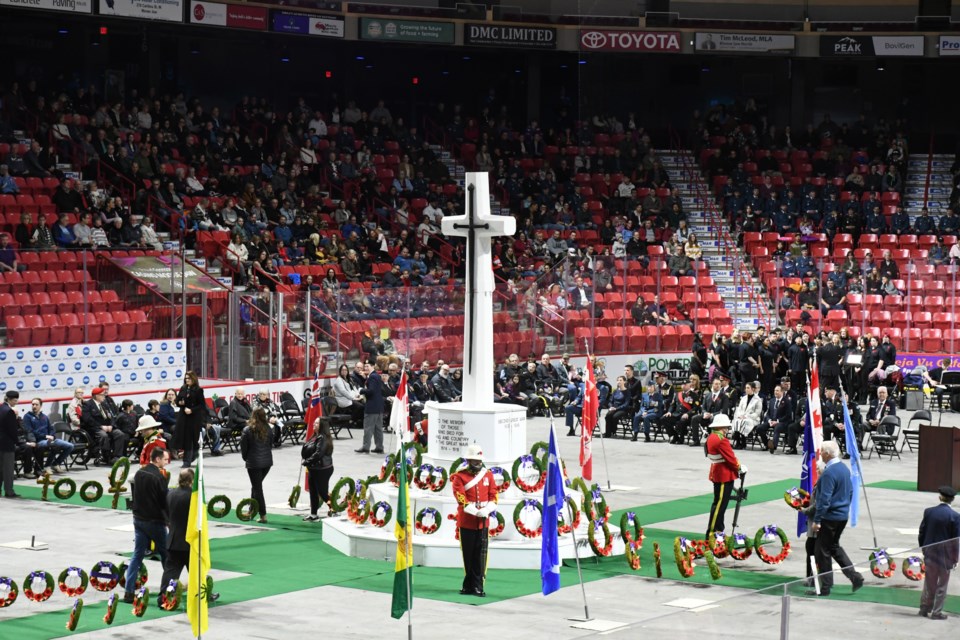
(504,36)
(406,31)
(621,40)
(745,43)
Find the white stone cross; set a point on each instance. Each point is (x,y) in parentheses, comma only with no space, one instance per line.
(478,226)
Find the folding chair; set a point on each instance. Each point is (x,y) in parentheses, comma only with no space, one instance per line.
(338,421)
(911,436)
(884,439)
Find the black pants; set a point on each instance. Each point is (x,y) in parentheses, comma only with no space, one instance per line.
(473,546)
(177,561)
(318,483)
(113,444)
(828,549)
(612,419)
(721,497)
(798,382)
(256,488)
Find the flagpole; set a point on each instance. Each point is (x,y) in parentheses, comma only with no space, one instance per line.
(573,530)
(199,526)
(863,485)
(603,448)
(407,539)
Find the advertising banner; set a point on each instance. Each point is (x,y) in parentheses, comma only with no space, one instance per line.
(744,43)
(167,10)
(235,16)
(164,276)
(622,40)
(949,45)
(856,46)
(505,36)
(72,6)
(306,24)
(407,31)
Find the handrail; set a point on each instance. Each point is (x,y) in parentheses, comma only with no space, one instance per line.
(117,174)
(926,186)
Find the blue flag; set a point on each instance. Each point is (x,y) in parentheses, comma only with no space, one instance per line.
(853,448)
(553,501)
(808,470)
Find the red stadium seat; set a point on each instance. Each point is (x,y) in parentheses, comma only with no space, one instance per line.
(73,326)
(111,332)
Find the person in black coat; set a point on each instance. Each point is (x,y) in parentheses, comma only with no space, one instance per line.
(256,449)
(190,418)
(317,454)
(373,410)
(178,549)
(939,531)
(239,410)
(776,417)
(95,420)
(148,491)
(714,403)
(9,434)
(828,359)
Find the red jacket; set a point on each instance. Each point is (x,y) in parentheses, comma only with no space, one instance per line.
(724,465)
(482,492)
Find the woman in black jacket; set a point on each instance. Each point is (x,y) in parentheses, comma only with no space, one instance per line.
(256,448)
(190,418)
(317,456)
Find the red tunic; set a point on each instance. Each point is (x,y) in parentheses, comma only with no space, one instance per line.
(483,492)
(724,465)
(150,446)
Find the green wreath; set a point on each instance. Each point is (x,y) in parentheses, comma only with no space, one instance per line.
(562,526)
(11,592)
(595,499)
(294,496)
(219,506)
(386,469)
(493,532)
(142,576)
(656,559)
(438,479)
(104,576)
(45,481)
(85,488)
(521,528)
(630,529)
(540,450)
(121,464)
(73,592)
(769,532)
(44,595)
(141,600)
(741,547)
(74,618)
(683,554)
(503,473)
(112,603)
(630,552)
(418,457)
(246,509)
(715,572)
(422,528)
(586,506)
(338,503)
(170,596)
(522,462)
(65,488)
(457,465)
(387,514)
(592,527)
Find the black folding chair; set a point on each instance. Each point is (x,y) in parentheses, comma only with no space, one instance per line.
(911,436)
(884,439)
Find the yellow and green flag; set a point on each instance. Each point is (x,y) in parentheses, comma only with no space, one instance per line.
(403,527)
(197,538)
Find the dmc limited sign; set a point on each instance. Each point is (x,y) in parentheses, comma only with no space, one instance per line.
(506,36)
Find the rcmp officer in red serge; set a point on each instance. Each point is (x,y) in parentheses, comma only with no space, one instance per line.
(724,470)
(476,492)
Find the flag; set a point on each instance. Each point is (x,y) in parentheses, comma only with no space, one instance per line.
(197,537)
(403,525)
(553,503)
(813,407)
(812,440)
(588,418)
(853,448)
(399,413)
(314,409)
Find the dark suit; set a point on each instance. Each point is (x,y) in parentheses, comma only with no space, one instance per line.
(93,419)
(828,357)
(178,550)
(711,407)
(776,417)
(9,434)
(940,527)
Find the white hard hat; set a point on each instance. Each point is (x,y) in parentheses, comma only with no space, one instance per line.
(720,421)
(473,452)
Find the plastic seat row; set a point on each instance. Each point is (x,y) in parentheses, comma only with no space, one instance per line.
(42,302)
(30,281)
(71,328)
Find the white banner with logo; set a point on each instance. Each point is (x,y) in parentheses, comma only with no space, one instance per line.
(949,46)
(898,45)
(72,6)
(745,42)
(166,10)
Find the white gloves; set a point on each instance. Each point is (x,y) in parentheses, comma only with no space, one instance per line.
(484,512)
(743,469)
(472,509)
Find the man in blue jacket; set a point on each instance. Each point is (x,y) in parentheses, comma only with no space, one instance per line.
(834,492)
(939,531)
(57,450)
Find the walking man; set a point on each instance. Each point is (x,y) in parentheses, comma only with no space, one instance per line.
(833,496)
(724,470)
(9,434)
(149,493)
(476,493)
(939,531)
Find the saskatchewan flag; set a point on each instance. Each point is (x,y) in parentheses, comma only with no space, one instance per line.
(403,527)
(199,542)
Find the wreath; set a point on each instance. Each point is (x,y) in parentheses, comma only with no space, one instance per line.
(142,575)
(528,505)
(219,506)
(540,450)
(504,482)
(294,495)
(699,548)
(74,618)
(64,488)
(8,592)
(879,559)
(683,554)
(118,475)
(141,600)
(600,524)
(419,480)
(562,526)
(630,529)
(718,545)
(741,548)
(73,592)
(715,572)
(87,487)
(28,583)
(395,474)
(458,465)
(913,568)
(656,559)
(456,530)
(797,498)
(595,499)
(104,576)
(438,479)
(386,469)
(170,597)
(527,461)
(387,514)
(497,530)
(417,453)
(338,503)
(427,529)
(769,533)
(630,552)
(45,481)
(112,602)
(358,511)
(246,509)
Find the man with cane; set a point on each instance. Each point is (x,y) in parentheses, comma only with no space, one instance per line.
(476,493)
(724,470)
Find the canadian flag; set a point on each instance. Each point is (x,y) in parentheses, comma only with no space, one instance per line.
(588,418)
(816,416)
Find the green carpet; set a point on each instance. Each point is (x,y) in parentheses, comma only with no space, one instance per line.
(898,485)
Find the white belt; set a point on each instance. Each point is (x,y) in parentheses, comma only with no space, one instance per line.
(714,457)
